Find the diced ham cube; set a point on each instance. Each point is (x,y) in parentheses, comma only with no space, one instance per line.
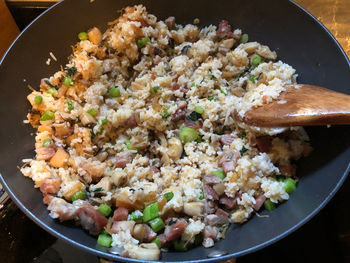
(227,139)
(120,214)
(210,193)
(175,230)
(211,179)
(91,220)
(259,201)
(228,202)
(228,166)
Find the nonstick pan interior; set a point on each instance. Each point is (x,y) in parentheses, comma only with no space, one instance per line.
(299,41)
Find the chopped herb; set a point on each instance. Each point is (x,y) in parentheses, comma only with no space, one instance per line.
(253,78)
(92,112)
(199,139)
(142,42)
(201,196)
(216,51)
(104,122)
(211,74)
(223,90)
(52,91)
(165,114)
(194,116)
(48,115)
(38,100)
(49,84)
(238,74)
(68,81)
(244,135)
(70,104)
(129,145)
(211,98)
(168,196)
(244,39)
(193,84)
(243,150)
(148,55)
(256,61)
(318,64)
(199,109)
(98,189)
(47,142)
(100,131)
(71,71)
(114,92)
(83,36)
(170,51)
(154,89)
(92,134)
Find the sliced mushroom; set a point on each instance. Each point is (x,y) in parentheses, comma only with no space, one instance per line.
(194,208)
(145,251)
(140,232)
(219,188)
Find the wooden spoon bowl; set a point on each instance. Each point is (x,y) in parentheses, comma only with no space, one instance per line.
(302,105)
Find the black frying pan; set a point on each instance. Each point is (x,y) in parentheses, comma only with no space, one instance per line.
(300,41)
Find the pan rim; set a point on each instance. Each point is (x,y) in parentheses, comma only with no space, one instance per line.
(226,257)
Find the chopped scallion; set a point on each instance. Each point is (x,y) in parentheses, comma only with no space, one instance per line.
(38,100)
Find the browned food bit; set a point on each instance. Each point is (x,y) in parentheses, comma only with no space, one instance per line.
(210,193)
(95,36)
(43,84)
(63,130)
(227,139)
(91,220)
(224,30)
(259,201)
(178,115)
(170,22)
(50,186)
(264,143)
(175,230)
(45,153)
(94,171)
(120,214)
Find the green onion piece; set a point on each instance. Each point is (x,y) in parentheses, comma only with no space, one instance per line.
(157,224)
(269,205)
(219,173)
(114,92)
(80,195)
(105,210)
(244,135)
(243,150)
(38,100)
(198,239)
(52,91)
(150,212)
(47,142)
(71,71)
(256,61)
(68,81)
(180,246)
(157,242)
(104,121)
(244,38)
(188,134)
(253,79)
(83,36)
(193,84)
(92,112)
(165,114)
(223,90)
(199,109)
(142,42)
(136,216)
(70,104)
(104,240)
(154,89)
(48,115)
(211,98)
(289,185)
(129,145)
(98,189)
(281,178)
(201,196)
(168,196)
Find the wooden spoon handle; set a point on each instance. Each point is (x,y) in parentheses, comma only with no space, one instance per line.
(302,105)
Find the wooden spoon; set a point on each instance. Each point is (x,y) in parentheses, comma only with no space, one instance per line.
(302,105)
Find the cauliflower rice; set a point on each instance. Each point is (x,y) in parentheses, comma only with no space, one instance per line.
(142,118)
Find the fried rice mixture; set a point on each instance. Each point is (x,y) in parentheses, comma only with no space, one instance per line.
(137,139)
